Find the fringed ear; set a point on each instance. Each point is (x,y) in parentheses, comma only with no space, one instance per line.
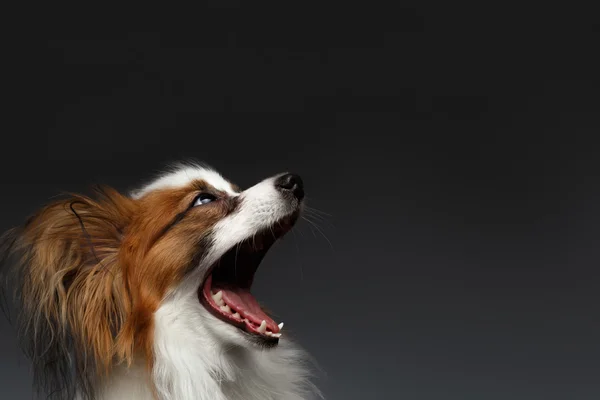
(70,295)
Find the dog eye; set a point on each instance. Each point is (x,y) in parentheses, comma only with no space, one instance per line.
(203,198)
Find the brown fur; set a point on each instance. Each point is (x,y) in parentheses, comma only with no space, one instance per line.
(155,261)
(73,279)
(96,270)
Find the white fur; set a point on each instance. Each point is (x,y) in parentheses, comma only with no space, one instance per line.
(183,174)
(198,356)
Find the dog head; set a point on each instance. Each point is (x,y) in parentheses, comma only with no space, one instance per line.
(92,272)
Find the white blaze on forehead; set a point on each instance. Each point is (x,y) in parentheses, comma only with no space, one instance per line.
(183,176)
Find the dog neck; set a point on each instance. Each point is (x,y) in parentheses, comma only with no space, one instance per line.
(191,364)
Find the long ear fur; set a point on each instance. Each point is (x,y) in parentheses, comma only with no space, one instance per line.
(71,301)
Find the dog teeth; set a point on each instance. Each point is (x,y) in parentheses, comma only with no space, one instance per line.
(263,326)
(237,315)
(218,298)
(280,325)
(226,309)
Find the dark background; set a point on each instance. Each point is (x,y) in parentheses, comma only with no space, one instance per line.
(453,148)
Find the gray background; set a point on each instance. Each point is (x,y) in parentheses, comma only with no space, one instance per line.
(452,149)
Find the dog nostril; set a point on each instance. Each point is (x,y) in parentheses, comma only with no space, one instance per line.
(288,181)
(291,183)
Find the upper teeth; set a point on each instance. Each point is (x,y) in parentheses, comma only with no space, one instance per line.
(218,298)
(225,308)
(280,325)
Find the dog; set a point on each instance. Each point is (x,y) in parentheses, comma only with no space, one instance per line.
(148,295)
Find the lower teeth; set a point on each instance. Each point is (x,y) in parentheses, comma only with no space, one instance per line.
(218,298)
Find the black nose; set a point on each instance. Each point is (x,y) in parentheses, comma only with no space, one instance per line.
(291,183)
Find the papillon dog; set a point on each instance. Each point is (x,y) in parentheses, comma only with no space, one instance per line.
(149,295)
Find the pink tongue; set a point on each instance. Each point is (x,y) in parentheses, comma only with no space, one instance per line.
(242,301)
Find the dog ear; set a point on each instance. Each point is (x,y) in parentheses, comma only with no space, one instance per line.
(64,268)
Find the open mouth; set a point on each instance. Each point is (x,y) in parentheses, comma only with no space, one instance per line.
(226,293)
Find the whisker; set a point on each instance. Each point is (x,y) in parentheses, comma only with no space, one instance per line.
(309,226)
(320,231)
(299,232)
(313,214)
(319,219)
(254,241)
(317,211)
(237,249)
(318,215)
(298,255)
